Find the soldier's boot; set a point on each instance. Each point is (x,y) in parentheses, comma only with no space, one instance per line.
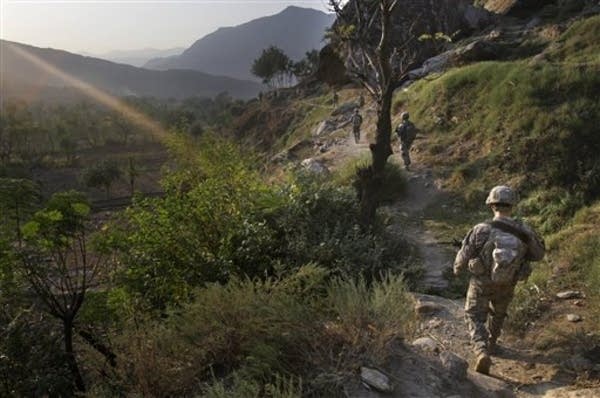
(483,363)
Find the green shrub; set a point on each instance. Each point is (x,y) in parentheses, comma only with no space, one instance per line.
(298,335)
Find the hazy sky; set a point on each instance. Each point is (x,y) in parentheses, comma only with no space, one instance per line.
(98,26)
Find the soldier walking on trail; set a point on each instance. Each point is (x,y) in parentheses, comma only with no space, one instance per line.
(335,99)
(497,255)
(356,123)
(407,133)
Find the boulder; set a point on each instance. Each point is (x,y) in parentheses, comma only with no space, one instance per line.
(491,386)
(314,166)
(426,344)
(345,108)
(570,294)
(477,51)
(578,363)
(427,307)
(376,380)
(325,127)
(574,318)
(454,365)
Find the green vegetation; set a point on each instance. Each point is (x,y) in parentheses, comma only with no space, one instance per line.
(532,124)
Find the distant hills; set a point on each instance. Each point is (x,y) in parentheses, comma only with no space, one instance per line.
(22,76)
(136,57)
(231,51)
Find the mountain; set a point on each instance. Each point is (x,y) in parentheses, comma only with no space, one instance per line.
(26,67)
(231,51)
(136,57)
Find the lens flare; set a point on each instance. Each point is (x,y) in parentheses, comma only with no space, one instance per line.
(94,93)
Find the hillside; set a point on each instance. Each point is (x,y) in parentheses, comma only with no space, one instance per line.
(22,76)
(524,114)
(295,30)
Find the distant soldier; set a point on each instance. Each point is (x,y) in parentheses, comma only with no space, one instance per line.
(497,255)
(335,99)
(361,101)
(406,132)
(356,123)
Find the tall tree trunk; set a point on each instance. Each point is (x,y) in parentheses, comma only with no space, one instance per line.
(370,179)
(72,361)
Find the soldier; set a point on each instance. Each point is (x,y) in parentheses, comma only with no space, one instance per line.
(356,123)
(407,133)
(335,99)
(361,101)
(497,255)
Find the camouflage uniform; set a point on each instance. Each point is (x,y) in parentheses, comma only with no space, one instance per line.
(488,300)
(356,123)
(407,133)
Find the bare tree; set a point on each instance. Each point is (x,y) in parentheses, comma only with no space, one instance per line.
(364,34)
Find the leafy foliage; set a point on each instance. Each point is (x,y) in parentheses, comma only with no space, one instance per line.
(272,66)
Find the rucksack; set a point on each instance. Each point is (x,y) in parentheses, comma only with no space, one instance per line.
(407,132)
(508,246)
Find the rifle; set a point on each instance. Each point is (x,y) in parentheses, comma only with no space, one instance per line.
(454,242)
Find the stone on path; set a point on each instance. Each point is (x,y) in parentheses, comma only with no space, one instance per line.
(427,307)
(574,318)
(454,364)
(579,363)
(494,387)
(314,166)
(425,343)
(566,392)
(570,294)
(376,379)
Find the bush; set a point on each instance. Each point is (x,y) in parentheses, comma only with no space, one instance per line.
(298,335)
(220,220)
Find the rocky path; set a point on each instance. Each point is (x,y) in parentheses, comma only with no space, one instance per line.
(435,365)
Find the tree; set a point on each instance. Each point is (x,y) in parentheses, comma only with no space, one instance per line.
(273,66)
(59,265)
(18,200)
(380,65)
(306,66)
(101,175)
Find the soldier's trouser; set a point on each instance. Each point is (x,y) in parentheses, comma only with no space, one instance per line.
(356,132)
(405,151)
(485,311)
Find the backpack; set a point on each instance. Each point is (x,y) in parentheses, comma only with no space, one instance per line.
(508,247)
(407,132)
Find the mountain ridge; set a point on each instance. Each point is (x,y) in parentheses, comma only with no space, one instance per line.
(115,78)
(246,41)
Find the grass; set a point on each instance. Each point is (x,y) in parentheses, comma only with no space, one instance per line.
(304,334)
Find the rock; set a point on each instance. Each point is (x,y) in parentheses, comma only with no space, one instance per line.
(326,126)
(568,392)
(346,108)
(570,294)
(427,307)
(454,364)
(578,363)
(535,22)
(479,50)
(574,318)
(314,166)
(426,344)
(376,379)
(492,386)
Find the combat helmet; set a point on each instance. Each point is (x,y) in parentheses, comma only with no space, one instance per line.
(501,195)
(404,115)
